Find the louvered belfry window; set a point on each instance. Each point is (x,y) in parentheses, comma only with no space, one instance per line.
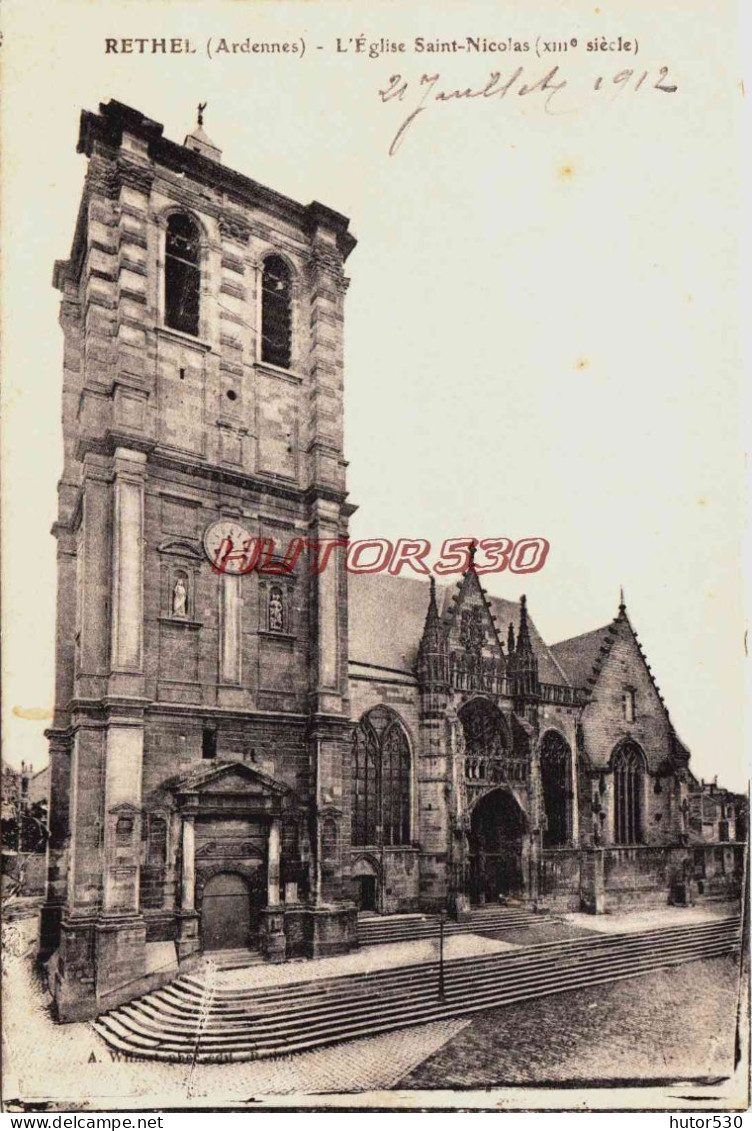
(182,274)
(380,781)
(629,770)
(276,313)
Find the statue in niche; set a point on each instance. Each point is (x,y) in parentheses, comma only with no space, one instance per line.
(276,611)
(180,599)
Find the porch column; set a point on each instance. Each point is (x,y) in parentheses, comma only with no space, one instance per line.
(273,867)
(188,887)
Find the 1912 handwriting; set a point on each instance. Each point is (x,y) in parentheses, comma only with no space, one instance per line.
(428,91)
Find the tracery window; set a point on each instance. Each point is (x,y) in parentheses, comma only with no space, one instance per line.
(629,776)
(276,312)
(182,274)
(381,780)
(556,763)
(485,754)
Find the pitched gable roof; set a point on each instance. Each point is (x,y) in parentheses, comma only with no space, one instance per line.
(387,614)
(579,655)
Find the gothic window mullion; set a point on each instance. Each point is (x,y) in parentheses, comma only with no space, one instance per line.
(381,781)
(405,796)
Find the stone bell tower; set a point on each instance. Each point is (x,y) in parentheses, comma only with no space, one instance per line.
(202,316)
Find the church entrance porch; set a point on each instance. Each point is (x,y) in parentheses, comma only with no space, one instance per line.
(497,835)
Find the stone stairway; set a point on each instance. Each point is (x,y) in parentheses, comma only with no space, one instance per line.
(197,1019)
(405,928)
(235,959)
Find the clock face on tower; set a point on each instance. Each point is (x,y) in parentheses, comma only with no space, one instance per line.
(230,547)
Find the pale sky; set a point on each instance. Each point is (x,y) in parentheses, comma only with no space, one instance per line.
(542,331)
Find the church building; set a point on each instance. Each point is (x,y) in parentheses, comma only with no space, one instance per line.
(251,758)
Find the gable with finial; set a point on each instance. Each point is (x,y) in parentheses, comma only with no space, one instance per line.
(470,625)
(623,700)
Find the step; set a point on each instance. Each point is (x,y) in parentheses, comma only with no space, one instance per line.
(517,967)
(350,1028)
(233,959)
(238,999)
(476,962)
(217,1034)
(373,931)
(141,1030)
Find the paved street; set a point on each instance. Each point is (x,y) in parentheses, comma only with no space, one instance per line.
(674,1023)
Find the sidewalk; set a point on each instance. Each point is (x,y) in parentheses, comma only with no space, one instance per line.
(652,919)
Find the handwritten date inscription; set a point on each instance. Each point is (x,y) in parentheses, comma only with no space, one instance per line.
(429,91)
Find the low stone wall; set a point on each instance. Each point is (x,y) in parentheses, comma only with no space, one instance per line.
(717,871)
(560,879)
(637,876)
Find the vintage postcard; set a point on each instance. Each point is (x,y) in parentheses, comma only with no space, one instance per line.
(373,487)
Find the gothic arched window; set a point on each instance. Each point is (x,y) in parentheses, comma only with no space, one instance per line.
(482,728)
(556,763)
(182,274)
(380,780)
(629,776)
(276,312)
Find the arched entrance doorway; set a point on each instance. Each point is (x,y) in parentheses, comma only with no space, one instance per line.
(226,913)
(365,880)
(497,829)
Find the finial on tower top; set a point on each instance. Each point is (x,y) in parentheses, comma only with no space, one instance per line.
(622,605)
(199,141)
(472,551)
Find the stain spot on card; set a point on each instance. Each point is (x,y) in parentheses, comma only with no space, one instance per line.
(566,172)
(35,714)
(582,363)
(702,501)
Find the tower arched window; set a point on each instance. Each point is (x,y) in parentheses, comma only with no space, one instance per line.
(276,312)
(629,779)
(556,779)
(380,780)
(182,274)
